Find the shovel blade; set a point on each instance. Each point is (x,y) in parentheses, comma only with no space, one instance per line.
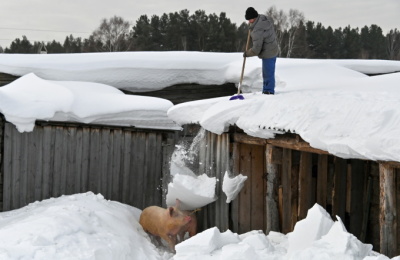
(240,97)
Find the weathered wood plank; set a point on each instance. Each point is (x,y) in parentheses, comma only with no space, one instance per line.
(257,188)
(125,170)
(85,159)
(322,180)
(388,220)
(48,162)
(339,192)
(37,163)
(71,147)
(16,169)
(58,154)
(152,177)
(23,174)
(245,194)
(62,170)
(94,161)
(7,167)
(295,186)
(305,182)
(140,170)
(104,162)
(78,161)
(272,214)
(286,191)
(358,180)
(115,177)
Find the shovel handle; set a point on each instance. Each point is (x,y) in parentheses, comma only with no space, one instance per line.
(244,62)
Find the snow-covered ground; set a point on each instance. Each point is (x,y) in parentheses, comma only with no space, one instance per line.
(86,226)
(329,103)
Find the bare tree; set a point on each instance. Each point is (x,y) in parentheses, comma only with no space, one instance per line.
(295,18)
(286,26)
(113,34)
(393,44)
(280,20)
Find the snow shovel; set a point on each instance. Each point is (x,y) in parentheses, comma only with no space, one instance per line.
(238,95)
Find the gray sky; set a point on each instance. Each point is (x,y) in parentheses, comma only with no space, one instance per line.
(58,18)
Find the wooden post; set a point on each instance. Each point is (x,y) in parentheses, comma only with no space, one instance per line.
(322,180)
(286,191)
(387,219)
(358,180)
(339,191)
(295,187)
(272,192)
(305,182)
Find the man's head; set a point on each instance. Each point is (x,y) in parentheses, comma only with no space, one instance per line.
(251,14)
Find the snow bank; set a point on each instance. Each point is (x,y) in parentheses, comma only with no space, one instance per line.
(86,226)
(31,98)
(81,226)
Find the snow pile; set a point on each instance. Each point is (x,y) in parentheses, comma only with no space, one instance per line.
(86,226)
(193,192)
(81,226)
(31,98)
(316,237)
(232,186)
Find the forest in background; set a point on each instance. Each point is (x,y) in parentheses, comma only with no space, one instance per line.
(182,31)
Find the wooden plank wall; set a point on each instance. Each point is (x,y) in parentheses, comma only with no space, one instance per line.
(2,122)
(188,92)
(125,165)
(6,79)
(249,208)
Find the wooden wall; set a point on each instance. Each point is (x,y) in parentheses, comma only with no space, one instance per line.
(6,79)
(125,165)
(189,92)
(176,94)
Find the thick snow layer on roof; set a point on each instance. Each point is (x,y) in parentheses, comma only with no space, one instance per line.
(332,107)
(31,98)
(330,103)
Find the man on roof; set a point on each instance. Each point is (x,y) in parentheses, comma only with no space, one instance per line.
(264,46)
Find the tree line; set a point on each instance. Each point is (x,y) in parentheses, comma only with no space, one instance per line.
(182,31)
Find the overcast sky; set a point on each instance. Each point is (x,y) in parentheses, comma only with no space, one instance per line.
(55,19)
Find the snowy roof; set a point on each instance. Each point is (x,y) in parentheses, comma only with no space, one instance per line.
(330,103)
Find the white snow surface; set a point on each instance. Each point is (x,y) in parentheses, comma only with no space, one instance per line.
(86,226)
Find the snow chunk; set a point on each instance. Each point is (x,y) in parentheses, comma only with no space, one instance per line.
(232,186)
(193,192)
(317,223)
(206,242)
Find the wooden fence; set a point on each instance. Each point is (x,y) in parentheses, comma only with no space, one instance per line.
(123,164)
